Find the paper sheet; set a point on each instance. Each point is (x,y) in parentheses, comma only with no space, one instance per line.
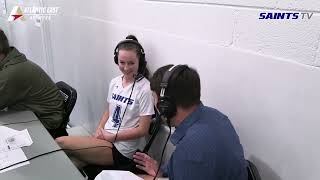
(117,175)
(11,142)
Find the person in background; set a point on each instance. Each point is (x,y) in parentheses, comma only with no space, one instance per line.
(207,145)
(126,121)
(25,86)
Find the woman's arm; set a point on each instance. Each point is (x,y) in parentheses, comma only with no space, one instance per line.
(101,124)
(104,119)
(132,133)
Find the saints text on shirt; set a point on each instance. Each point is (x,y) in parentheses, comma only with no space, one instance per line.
(122,99)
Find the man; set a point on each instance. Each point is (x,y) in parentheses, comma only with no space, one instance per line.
(25,86)
(207,146)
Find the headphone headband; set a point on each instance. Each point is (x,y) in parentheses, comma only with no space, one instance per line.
(176,69)
(116,50)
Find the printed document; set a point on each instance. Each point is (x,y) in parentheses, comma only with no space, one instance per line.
(11,142)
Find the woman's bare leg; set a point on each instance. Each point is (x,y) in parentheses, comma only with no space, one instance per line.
(87,150)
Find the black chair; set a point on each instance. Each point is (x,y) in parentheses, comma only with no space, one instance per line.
(70,98)
(253,173)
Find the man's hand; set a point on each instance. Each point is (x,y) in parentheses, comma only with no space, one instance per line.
(146,163)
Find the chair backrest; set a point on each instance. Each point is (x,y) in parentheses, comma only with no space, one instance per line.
(70,98)
(253,173)
(156,148)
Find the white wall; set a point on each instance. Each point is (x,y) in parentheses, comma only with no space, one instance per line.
(24,35)
(263,74)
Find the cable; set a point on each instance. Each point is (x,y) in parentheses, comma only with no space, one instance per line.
(164,148)
(50,153)
(18,122)
(30,159)
(125,109)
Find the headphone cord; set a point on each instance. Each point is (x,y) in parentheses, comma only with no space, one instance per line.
(164,148)
(134,82)
(50,152)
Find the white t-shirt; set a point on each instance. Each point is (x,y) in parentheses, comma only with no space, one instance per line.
(139,104)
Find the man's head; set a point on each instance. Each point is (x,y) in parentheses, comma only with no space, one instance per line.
(4,45)
(181,91)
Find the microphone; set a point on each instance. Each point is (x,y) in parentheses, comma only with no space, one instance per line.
(137,77)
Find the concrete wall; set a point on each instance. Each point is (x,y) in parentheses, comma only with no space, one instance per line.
(263,74)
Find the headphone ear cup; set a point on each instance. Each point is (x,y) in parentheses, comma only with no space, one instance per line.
(167,108)
(142,64)
(115,58)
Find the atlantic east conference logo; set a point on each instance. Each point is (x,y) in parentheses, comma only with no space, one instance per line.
(34,12)
(16,14)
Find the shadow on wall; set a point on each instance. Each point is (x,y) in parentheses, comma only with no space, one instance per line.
(91,122)
(265,171)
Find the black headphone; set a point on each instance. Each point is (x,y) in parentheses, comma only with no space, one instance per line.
(166,105)
(142,58)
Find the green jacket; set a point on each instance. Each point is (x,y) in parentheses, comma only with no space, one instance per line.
(25,86)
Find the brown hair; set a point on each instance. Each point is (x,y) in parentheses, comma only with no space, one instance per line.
(4,44)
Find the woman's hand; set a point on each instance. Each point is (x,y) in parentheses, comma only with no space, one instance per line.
(107,136)
(146,163)
(98,133)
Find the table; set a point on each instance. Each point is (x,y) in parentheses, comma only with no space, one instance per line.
(53,166)
(7,117)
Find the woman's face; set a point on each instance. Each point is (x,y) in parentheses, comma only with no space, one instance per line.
(128,62)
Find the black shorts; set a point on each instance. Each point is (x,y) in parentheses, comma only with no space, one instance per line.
(121,162)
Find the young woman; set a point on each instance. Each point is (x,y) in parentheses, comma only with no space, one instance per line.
(126,121)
